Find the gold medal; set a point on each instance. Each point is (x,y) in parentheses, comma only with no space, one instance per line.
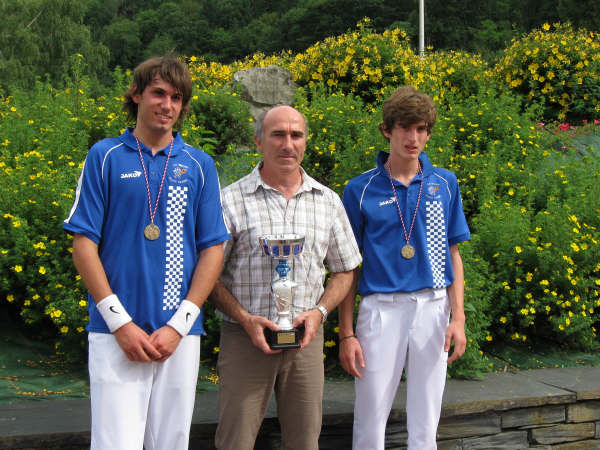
(152,232)
(408,251)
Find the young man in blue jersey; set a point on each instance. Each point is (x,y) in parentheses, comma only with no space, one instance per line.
(147,232)
(407,218)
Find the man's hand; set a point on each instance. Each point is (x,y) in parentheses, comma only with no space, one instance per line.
(136,344)
(255,327)
(455,333)
(350,354)
(311,320)
(166,340)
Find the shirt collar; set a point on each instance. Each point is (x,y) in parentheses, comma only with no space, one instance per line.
(426,165)
(129,140)
(255,181)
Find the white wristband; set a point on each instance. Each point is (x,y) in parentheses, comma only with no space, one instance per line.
(113,312)
(184,318)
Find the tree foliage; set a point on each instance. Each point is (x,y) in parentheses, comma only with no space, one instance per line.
(38,38)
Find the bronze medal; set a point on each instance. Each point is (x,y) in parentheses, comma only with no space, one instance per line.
(408,251)
(152,232)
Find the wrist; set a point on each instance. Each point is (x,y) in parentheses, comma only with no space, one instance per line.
(113,312)
(458,318)
(323,311)
(184,318)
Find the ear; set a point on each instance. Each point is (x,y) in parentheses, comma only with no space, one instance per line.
(258,143)
(135,96)
(385,131)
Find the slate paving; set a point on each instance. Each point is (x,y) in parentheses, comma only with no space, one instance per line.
(65,424)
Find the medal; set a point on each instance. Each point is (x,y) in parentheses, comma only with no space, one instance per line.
(407,251)
(152,232)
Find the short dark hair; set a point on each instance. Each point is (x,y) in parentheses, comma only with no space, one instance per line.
(408,106)
(169,69)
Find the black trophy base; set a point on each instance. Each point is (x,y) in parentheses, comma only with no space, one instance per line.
(283,339)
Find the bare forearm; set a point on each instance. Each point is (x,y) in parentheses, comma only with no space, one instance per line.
(88,264)
(456,291)
(222,299)
(337,289)
(206,273)
(346,310)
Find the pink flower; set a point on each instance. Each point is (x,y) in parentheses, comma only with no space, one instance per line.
(564,126)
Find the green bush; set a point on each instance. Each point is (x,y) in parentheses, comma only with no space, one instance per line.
(529,191)
(556,67)
(223,114)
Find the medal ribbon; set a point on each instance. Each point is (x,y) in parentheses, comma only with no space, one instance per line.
(412,224)
(162,181)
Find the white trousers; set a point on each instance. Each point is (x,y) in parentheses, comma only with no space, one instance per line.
(137,405)
(401,332)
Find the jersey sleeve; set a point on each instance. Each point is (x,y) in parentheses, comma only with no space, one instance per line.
(87,213)
(210,225)
(352,206)
(458,229)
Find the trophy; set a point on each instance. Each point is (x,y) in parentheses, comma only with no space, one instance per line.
(283,247)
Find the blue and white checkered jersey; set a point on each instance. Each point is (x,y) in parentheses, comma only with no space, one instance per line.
(440,223)
(111,208)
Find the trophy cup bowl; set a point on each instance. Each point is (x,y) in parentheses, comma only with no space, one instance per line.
(283,247)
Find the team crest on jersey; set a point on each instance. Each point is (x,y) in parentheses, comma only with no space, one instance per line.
(433,191)
(178,173)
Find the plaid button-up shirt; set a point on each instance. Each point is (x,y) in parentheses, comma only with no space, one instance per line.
(253,209)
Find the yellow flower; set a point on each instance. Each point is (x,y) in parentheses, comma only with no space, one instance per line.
(42,270)
(18,268)
(82,303)
(330,343)
(503,319)
(216,349)
(518,249)
(10,298)
(64,329)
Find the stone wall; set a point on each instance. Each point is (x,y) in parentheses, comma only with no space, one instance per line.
(544,409)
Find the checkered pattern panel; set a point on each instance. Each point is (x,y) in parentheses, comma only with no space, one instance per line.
(176,203)
(436,242)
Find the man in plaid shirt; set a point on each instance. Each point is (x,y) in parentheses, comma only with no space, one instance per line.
(278,197)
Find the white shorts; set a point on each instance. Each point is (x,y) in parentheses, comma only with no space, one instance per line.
(401,332)
(136,404)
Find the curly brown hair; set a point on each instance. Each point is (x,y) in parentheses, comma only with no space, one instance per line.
(169,69)
(408,106)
